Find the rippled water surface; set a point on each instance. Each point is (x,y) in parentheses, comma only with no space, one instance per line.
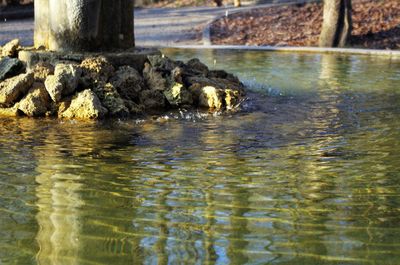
(308,173)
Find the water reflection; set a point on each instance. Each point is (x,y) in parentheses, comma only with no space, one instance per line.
(309,175)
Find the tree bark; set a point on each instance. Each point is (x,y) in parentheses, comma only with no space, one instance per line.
(336,27)
(84,25)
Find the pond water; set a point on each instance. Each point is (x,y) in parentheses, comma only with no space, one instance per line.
(307,173)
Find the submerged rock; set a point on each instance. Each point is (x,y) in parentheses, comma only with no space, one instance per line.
(11,90)
(11,48)
(10,67)
(85,106)
(36,102)
(64,81)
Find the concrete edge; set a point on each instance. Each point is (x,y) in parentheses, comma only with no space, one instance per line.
(349,51)
(206,35)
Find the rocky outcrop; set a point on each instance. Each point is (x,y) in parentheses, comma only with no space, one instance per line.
(10,67)
(36,102)
(84,106)
(93,88)
(13,89)
(11,48)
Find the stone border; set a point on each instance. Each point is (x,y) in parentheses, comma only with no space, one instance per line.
(349,51)
(206,35)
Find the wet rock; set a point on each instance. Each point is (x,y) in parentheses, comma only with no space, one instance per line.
(36,102)
(178,95)
(64,81)
(232,99)
(11,48)
(111,99)
(9,112)
(212,98)
(10,67)
(97,69)
(85,106)
(11,90)
(128,82)
(153,78)
(198,67)
(42,70)
(152,99)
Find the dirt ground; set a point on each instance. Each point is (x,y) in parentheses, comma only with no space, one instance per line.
(376,25)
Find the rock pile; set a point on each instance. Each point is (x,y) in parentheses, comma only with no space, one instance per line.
(95,88)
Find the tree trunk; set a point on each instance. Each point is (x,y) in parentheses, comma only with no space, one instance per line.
(84,25)
(336,27)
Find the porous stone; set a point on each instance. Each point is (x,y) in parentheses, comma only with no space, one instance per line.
(128,82)
(42,70)
(196,66)
(36,102)
(97,69)
(232,99)
(54,87)
(211,97)
(152,99)
(164,63)
(64,81)
(111,99)
(11,48)
(11,90)
(178,95)
(9,112)
(154,79)
(10,67)
(85,106)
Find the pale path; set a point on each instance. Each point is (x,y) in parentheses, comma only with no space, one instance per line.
(153,27)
